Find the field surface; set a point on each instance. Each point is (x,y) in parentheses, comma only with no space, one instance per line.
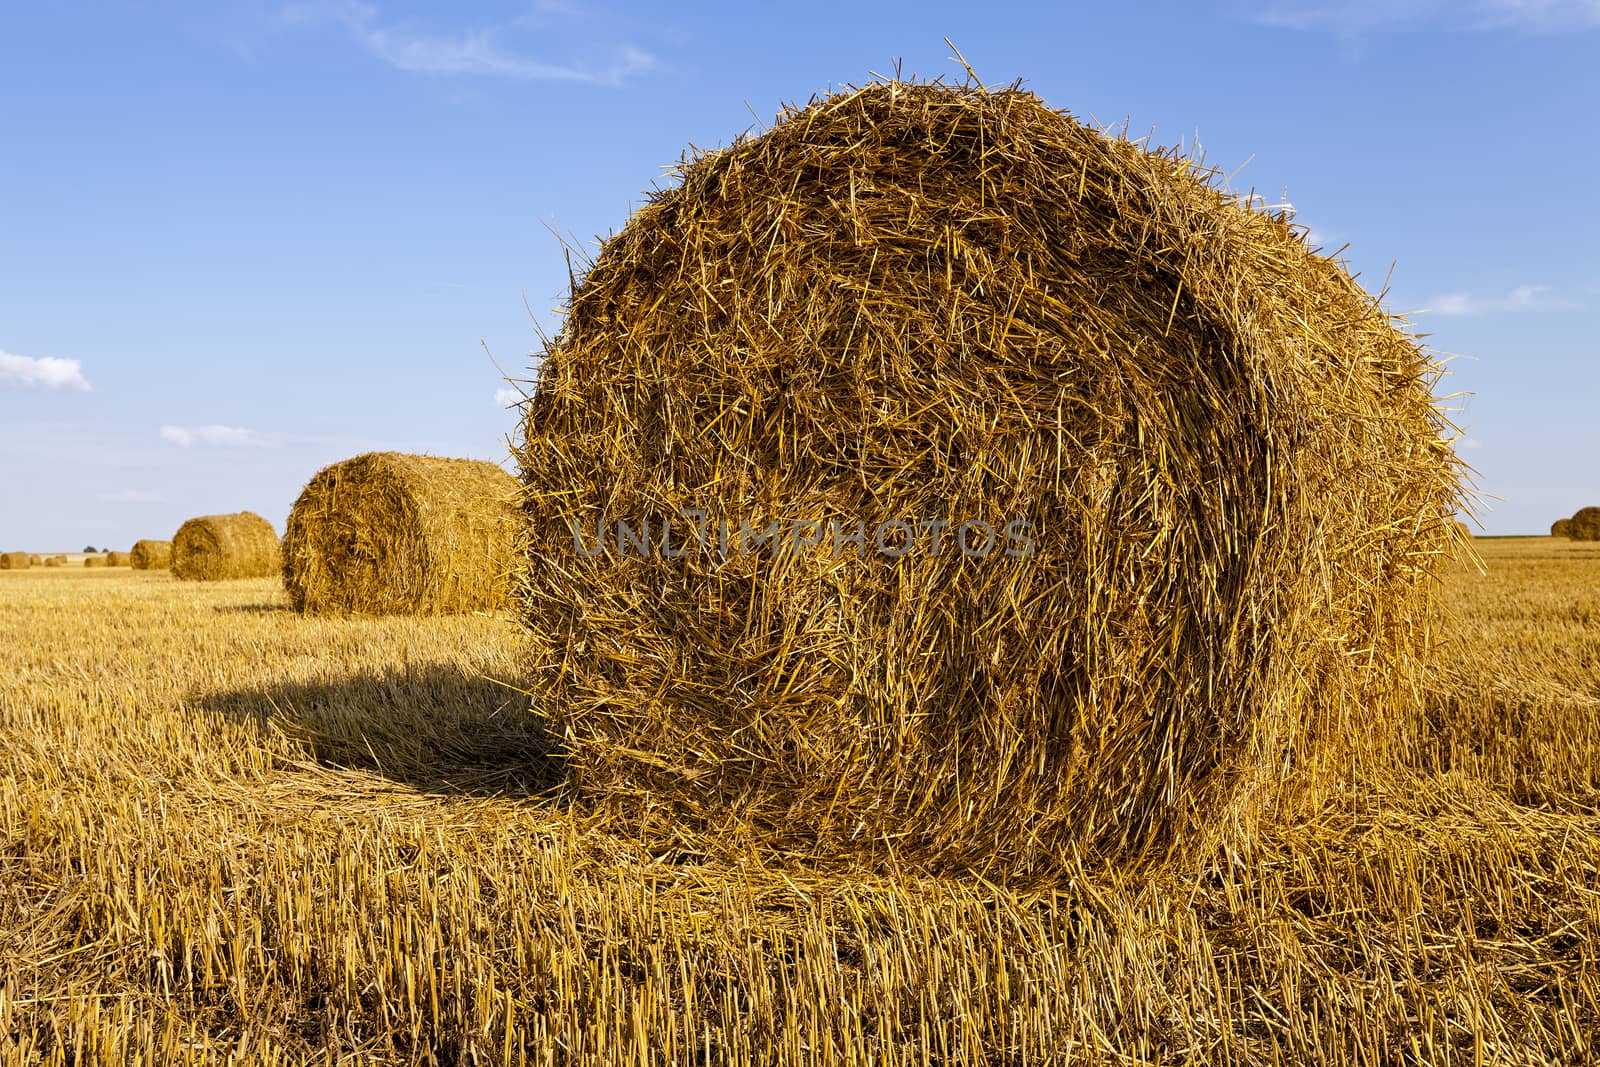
(232,834)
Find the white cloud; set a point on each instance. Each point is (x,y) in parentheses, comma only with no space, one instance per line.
(1354,17)
(48,371)
(507,398)
(1522,298)
(132,496)
(211,435)
(1543,16)
(479,51)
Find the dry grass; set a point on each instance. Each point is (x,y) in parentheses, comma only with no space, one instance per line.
(218,547)
(151,555)
(228,830)
(393,534)
(919,303)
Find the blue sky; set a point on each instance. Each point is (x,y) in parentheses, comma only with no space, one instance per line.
(241,240)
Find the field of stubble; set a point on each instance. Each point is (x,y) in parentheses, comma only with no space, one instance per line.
(230,834)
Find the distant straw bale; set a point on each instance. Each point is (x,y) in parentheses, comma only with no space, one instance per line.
(915,304)
(1561,528)
(35,560)
(15,561)
(55,561)
(117,559)
(94,561)
(388,533)
(215,547)
(151,555)
(1584,525)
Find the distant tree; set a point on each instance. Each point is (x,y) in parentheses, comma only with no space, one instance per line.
(90,548)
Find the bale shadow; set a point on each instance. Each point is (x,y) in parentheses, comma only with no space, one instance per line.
(434,728)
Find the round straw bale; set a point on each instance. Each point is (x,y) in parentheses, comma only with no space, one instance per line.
(214,547)
(151,555)
(1584,525)
(388,533)
(35,560)
(117,559)
(94,561)
(912,305)
(1561,528)
(55,561)
(15,561)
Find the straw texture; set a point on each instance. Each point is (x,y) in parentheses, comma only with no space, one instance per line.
(151,555)
(1561,528)
(215,547)
(920,303)
(15,561)
(388,533)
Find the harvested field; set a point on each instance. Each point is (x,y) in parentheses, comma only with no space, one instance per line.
(340,840)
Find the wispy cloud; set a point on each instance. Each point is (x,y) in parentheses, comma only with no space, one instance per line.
(1522,298)
(508,398)
(485,50)
(1541,16)
(131,496)
(48,371)
(221,436)
(1356,17)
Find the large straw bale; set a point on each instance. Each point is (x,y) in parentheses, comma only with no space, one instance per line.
(118,559)
(151,555)
(388,533)
(15,561)
(920,303)
(214,547)
(1561,528)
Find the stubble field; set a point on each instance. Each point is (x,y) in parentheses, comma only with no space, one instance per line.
(232,834)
